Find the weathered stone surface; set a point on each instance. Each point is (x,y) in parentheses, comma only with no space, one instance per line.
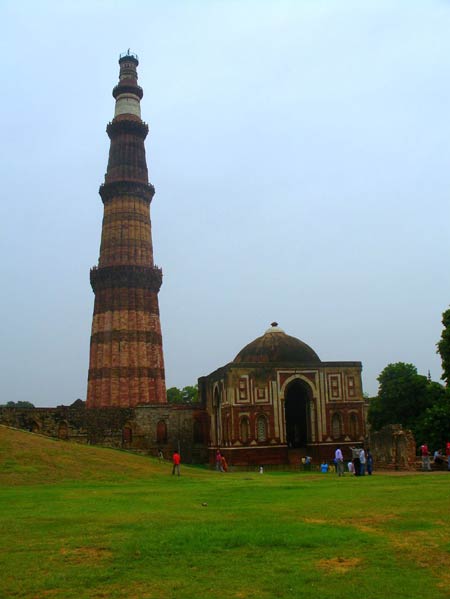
(126,428)
(393,448)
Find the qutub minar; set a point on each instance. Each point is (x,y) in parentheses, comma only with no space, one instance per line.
(274,400)
(274,403)
(126,365)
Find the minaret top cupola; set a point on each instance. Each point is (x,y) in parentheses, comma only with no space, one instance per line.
(127,93)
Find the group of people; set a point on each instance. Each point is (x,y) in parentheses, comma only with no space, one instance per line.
(361,462)
(438,457)
(221,463)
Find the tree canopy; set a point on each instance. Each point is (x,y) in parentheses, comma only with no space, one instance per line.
(408,398)
(444,347)
(17,404)
(186,395)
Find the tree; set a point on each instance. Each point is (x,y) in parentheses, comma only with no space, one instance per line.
(190,394)
(403,397)
(186,395)
(174,395)
(434,425)
(444,347)
(17,404)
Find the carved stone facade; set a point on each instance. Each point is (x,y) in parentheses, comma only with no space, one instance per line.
(126,366)
(277,401)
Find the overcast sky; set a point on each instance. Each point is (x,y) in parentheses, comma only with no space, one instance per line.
(300,151)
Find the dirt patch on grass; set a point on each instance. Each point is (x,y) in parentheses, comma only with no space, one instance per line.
(339,565)
(134,590)
(315,521)
(80,555)
(372,523)
(425,549)
(369,524)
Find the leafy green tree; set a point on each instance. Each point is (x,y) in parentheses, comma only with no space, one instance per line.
(434,425)
(444,347)
(17,404)
(186,395)
(190,394)
(403,397)
(174,395)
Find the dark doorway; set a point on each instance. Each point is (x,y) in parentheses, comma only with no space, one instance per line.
(297,414)
(161,433)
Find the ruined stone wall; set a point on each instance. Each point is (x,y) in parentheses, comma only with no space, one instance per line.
(186,429)
(393,448)
(62,422)
(144,429)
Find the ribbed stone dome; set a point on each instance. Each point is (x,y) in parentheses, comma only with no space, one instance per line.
(276,346)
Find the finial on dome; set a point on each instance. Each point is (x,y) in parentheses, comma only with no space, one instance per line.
(274,328)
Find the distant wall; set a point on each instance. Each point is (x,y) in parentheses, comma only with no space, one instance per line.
(143,429)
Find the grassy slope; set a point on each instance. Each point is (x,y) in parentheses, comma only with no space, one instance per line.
(27,458)
(115,525)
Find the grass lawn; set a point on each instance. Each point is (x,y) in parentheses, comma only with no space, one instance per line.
(86,522)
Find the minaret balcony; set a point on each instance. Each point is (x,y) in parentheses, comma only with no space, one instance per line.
(141,191)
(127,125)
(127,86)
(131,277)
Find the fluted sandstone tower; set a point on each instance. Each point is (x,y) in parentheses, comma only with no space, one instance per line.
(126,359)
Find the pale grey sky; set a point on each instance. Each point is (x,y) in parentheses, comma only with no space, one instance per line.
(300,153)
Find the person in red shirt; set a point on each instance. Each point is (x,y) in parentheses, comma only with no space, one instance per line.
(425,457)
(176,459)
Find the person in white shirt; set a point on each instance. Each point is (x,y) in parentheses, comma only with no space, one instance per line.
(339,458)
(362,461)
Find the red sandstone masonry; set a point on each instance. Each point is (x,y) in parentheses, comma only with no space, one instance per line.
(126,359)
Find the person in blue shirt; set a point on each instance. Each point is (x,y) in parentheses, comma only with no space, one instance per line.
(324,467)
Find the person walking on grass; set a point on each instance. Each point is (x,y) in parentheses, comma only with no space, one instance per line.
(425,457)
(219,461)
(447,451)
(369,460)
(176,459)
(355,459)
(224,464)
(362,462)
(339,462)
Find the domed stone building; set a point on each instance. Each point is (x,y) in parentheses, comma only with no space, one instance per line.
(277,402)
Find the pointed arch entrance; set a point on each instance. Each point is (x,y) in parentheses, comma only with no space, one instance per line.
(297,414)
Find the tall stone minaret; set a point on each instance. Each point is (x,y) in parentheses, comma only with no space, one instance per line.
(126,365)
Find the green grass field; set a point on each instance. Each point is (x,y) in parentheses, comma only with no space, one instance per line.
(86,522)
